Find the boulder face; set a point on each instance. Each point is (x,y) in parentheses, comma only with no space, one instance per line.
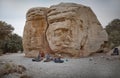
(34,38)
(67,28)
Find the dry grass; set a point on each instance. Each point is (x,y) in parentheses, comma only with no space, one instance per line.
(25,76)
(9,68)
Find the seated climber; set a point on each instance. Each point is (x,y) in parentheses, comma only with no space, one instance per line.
(48,57)
(58,59)
(39,57)
(115,52)
(42,55)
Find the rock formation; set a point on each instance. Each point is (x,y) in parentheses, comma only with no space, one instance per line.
(67,28)
(34,38)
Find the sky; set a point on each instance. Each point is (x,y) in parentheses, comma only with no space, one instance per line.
(14,11)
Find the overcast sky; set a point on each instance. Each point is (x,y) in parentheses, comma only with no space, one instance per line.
(13,11)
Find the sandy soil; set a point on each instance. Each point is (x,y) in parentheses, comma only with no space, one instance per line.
(100,66)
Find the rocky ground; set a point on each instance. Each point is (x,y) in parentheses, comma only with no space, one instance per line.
(96,66)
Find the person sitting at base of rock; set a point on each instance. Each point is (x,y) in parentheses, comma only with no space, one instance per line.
(39,57)
(48,57)
(58,59)
(115,52)
(42,55)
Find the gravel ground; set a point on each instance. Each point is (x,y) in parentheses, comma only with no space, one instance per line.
(100,66)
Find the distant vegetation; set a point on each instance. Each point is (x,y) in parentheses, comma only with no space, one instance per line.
(113,30)
(9,42)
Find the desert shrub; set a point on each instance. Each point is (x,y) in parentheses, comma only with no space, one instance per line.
(113,30)
(10,68)
(9,42)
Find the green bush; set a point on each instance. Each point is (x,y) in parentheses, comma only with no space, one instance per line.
(9,42)
(113,30)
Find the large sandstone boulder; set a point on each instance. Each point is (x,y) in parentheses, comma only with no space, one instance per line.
(67,28)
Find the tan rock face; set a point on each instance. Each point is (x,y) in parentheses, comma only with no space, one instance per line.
(69,29)
(34,38)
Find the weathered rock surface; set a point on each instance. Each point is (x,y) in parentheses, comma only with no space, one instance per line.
(67,28)
(34,38)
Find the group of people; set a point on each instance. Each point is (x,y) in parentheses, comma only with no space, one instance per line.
(47,58)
